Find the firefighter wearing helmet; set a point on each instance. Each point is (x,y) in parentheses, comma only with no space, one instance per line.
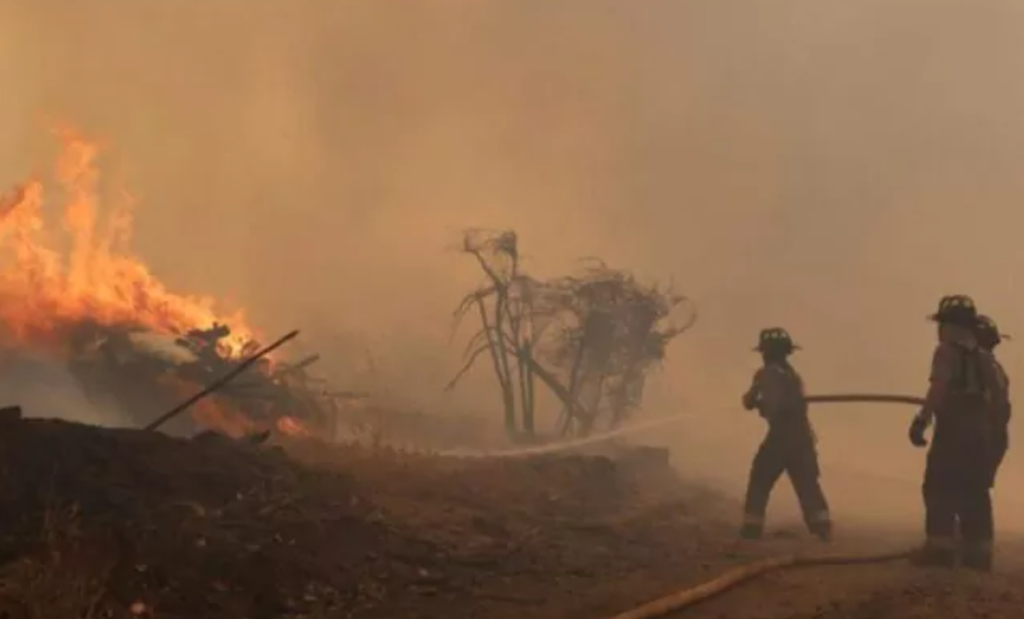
(789,447)
(959,467)
(989,336)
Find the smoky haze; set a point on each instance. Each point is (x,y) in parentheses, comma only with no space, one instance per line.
(830,167)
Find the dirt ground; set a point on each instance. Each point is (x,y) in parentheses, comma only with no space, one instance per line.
(108,523)
(889,591)
(119,523)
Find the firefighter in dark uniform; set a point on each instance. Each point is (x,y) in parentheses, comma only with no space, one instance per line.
(989,336)
(789,447)
(964,448)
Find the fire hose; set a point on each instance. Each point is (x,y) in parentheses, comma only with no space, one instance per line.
(723,583)
(636,428)
(861,398)
(693,595)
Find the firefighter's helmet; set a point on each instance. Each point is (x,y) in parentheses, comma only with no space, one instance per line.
(775,339)
(987,333)
(956,309)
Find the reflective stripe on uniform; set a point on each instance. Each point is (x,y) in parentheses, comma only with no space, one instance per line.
(819,517)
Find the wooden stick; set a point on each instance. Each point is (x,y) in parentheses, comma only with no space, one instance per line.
(220,382)
(292,368)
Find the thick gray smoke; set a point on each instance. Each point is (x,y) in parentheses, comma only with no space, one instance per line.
(44,388)
(833,168)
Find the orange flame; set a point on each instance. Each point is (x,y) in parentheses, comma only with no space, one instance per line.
(44,290)
(224,418)
(292,427)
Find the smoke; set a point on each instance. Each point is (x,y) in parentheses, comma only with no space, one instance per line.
(834,169)
(44,388)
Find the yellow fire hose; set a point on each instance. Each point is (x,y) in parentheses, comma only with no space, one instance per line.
(864,398)
(731,579)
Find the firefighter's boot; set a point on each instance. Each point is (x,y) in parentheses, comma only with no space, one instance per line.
(977,556)
(935,553)
(822,530)
(753,527)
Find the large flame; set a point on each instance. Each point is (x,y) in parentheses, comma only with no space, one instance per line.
(52,279)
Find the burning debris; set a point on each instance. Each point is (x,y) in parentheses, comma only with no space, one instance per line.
(591,338)
(133,344)
(139,369)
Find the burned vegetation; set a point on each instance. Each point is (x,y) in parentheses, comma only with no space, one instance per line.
(104,522)
(140,372)
(591,339)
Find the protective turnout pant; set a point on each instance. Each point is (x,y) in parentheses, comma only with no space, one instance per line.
(957,500)
(796,456)
(1000,446)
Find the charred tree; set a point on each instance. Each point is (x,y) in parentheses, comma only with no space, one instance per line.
(505,327)
(591,338)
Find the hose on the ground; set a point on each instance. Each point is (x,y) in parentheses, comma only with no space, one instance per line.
(691,596)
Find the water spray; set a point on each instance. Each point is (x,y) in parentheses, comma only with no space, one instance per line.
(539,450)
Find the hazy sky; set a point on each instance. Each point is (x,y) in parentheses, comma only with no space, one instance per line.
(830,167)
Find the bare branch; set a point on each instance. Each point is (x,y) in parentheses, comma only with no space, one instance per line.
(467,366)
(599,330)
(475,341)
(467,303)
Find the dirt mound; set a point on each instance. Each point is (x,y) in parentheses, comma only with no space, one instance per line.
(167,523)
(102,522)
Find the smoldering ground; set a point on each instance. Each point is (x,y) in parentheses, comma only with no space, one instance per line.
(833,168)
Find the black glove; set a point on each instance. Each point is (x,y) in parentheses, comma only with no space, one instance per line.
(917,430)
(750,400)
(1001,444)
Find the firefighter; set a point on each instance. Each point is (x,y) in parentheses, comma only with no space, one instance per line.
(777,393)
(988,336)
(959,466)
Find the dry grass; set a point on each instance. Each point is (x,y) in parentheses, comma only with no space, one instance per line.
(218,529)
(64,578)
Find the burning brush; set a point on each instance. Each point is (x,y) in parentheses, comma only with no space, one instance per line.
(85,297)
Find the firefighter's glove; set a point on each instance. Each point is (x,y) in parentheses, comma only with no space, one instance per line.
(1001,442)
(917,430)
(751,400)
